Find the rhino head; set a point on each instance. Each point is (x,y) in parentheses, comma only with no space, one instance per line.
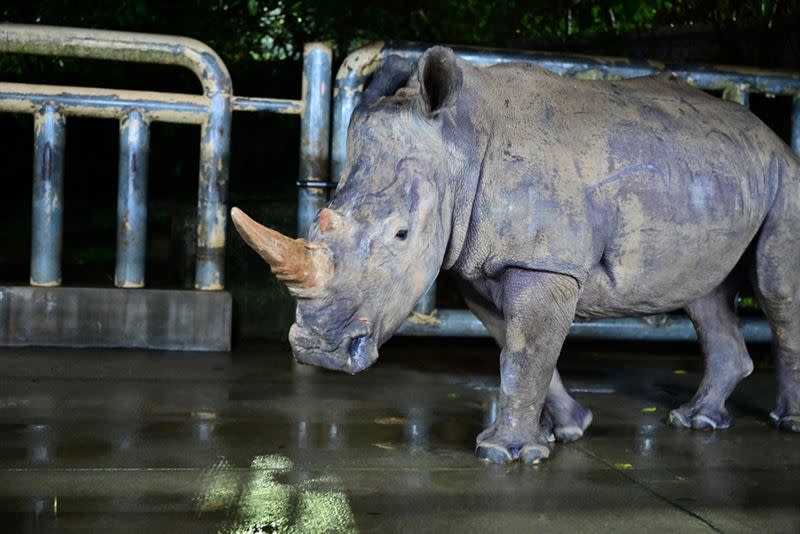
(379,245)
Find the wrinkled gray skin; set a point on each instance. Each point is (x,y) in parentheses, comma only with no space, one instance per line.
(553,198)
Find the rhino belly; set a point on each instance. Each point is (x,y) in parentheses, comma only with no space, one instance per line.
(646,285)
(669,244)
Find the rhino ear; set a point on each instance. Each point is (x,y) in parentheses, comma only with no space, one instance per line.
(439,78)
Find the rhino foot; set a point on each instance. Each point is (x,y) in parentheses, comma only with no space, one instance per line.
(785,421)
(500,446)
(572,428)
(700,417)
(563,415)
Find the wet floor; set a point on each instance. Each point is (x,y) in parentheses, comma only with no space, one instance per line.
(163,442)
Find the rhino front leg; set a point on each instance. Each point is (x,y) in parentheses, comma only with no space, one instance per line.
(538,308)
(726,359)
(562,415)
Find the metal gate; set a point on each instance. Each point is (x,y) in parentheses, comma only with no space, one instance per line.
(129,315)
(736,84)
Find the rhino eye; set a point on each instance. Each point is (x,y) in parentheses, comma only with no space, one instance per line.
(401,234)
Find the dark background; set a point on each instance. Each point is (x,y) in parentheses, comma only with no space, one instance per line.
(261,42)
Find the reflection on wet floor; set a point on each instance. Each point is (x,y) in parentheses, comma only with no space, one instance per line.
(275,498)
(149,442)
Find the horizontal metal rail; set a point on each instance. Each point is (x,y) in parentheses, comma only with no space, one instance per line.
(104,103)
(736,84)
(268,105)
(357,68)
(462,323)
(116,103)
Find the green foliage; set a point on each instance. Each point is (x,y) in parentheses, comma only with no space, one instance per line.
(270,30)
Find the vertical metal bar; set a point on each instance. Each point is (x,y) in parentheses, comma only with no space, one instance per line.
(427,304)
(737,93)
(212,195)
(49,138)
(134,151)
(314,133)
(347,96)
(796,124)
(348,86)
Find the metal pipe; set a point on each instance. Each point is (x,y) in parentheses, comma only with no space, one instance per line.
(120,46)
(795,142)
(212,197)
(266,105)
(314,133)
(462,323)
(716,77)
(49,138)
(134,151)
(357,67)
(103,103)
(353,73)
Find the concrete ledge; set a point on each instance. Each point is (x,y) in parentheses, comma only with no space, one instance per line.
(112,317)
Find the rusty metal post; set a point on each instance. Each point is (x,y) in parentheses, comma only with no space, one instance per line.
(796,124)
(212,195)
(314,134)
(737,93)
(134,151)
(48,196)
(348,86)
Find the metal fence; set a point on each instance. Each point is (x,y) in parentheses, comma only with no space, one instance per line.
(42,314)
(736,84)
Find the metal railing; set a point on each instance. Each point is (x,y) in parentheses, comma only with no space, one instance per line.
(735,83)
(135,111)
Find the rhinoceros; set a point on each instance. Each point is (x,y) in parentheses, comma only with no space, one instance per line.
(550,198)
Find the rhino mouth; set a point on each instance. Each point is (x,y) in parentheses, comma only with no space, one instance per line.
(356,351)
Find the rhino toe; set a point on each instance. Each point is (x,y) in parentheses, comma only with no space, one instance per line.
(534,453)
(495,454)
(574,431)
(699,418)
(678,419)
(787,423)
(703,422)
(502,445)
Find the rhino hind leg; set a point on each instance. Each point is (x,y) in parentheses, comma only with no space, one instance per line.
(777,284)
(564,417)
(569,418)
(726,359)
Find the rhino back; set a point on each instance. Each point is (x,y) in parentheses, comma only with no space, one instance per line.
(647,191)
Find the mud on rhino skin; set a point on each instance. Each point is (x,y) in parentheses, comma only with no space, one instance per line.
(550,198)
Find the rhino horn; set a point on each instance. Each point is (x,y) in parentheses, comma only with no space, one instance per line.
(304,266)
